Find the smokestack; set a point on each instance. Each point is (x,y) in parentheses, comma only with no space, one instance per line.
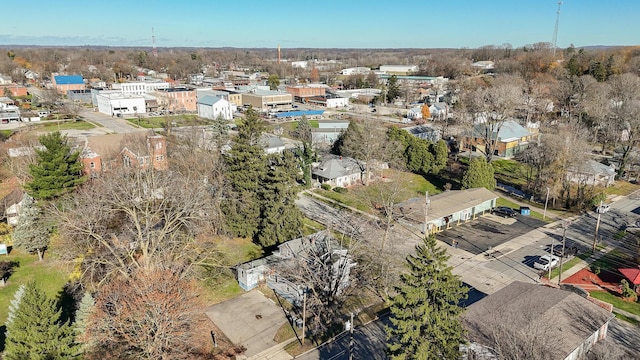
(278,54)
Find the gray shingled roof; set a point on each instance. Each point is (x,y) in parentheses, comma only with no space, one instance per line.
(209,100)
(509,130)
(563,316)
(337,167)
(592,167)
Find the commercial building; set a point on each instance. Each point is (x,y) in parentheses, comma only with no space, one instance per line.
(267,100)
(117,104)
(178,99)
(140,87)
(64,83)
(442,211)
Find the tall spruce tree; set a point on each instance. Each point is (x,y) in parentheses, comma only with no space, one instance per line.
(245,169)
(280,220)
(35,331)
(425,316)
(441,155)
(57,170)
(479,174)
(31,233)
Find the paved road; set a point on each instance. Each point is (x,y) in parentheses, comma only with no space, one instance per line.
(369,343)
(116,125)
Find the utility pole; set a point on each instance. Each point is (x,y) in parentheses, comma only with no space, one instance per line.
(544,215)
(426,213)
(304,314)
(595,236)
(565,225)
(550,257)
(351,338)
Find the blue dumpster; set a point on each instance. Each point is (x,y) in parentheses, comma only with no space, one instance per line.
(524,210)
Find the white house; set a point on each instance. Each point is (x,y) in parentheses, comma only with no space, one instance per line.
(118,104)
(212,107)
(439,111)
(415,113)
(339,171)
(592,172)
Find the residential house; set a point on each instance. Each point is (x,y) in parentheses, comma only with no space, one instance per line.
(64,83)
(510,138)
(11,196)
(328,131)
(571,323)
(8,111)
(155,154)
(439,111)
(272,269)
(446,209)
(415,113)
(5,79)
(424,132)
(102,152)
(212,107)
(272,144)
(338,171)
(591,172)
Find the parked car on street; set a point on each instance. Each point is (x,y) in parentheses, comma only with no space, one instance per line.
(504,211)
(569,250)
(603,208)
(545,262)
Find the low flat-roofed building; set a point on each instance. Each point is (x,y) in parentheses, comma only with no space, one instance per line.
(268,100)
(447,208)
(117,104)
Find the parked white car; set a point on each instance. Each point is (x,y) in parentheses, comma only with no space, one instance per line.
(603,208)
(546,261)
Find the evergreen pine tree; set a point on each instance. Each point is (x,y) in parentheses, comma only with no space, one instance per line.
(303,131)
(245,169)
(86,306)
(425,314)
(31,233)
(35,331)
(57,170)
(441,154)
(15,304)
(479,174)
(281,220)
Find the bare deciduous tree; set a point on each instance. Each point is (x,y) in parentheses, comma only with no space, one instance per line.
(135,219)
(154,314)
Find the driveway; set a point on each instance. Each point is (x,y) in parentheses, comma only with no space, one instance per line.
(250,319)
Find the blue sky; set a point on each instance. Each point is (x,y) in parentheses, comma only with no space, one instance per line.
(319,24)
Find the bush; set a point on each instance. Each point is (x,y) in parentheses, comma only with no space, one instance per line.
(627,291)
(325,187)
(340,190)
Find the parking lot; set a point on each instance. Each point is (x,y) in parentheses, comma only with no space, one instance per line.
(487,232)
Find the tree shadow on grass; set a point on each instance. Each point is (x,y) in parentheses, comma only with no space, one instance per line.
(3,337)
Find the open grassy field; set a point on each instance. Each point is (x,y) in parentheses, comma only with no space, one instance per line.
(63,125)
(48,276)
(161,121)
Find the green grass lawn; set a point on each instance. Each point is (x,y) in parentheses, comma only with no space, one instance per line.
(569,264)
(617,302)
(47,274)
(510,172)
(534,214)
(622,187)
(613,260)
(66,125)
(161,121)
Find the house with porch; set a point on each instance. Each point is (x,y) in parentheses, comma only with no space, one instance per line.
(338,171)
(509,138)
